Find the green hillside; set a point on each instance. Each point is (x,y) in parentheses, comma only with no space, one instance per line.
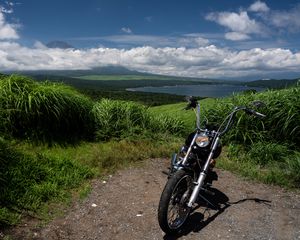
(177,110)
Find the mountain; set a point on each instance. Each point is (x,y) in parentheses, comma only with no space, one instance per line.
(110,70)
(59,44)
(105,70)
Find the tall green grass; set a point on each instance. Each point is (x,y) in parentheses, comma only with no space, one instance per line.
(44,111)
(267,149)
(120,119)
(52,112)
(280,125)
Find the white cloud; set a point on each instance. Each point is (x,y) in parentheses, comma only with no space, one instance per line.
(7,30)
(239,24)
(126,30)
(259,6)
(236,36)
(207,61)
(236,22)
(286,20)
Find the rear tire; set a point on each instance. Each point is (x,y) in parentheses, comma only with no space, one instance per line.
(173,210)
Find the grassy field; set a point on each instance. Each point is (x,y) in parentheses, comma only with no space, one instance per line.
(187,116)
(53,140)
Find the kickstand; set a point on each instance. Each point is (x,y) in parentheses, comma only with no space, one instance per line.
(210,203)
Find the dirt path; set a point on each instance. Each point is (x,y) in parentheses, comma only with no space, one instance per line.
(125,207)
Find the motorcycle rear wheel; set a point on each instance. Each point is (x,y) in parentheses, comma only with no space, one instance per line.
(173,210)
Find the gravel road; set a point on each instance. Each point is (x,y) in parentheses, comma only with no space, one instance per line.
(125,207)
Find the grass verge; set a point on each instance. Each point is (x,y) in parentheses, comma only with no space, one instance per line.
(284,172)
(33,178)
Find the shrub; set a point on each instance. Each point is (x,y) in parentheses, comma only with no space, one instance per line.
(44,111)
(115,118)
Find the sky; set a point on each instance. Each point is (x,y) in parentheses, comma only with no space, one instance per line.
(206,39)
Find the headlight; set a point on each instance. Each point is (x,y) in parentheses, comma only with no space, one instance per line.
(202,141)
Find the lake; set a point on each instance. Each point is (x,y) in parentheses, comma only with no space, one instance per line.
(202,90)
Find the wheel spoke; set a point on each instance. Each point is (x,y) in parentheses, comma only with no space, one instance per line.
(177,209)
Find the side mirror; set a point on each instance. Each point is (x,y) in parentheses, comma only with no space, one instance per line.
(258,104)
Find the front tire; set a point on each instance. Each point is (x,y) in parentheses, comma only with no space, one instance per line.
(173,210)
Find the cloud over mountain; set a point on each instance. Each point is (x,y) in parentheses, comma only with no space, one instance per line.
(208,61)
(185,54)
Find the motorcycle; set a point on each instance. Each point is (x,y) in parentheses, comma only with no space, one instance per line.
(191,173)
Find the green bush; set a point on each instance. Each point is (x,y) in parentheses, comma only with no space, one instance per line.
(44,111)
(115,118)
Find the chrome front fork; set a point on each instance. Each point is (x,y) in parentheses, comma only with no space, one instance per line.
(201,178)
(189,150)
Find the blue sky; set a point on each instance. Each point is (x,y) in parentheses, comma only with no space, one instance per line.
(216,39)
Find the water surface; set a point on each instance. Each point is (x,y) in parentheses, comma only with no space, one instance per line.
(203,90)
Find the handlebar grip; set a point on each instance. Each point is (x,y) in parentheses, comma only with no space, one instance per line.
(257,114)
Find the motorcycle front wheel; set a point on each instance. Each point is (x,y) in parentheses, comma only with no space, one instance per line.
(173,210)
